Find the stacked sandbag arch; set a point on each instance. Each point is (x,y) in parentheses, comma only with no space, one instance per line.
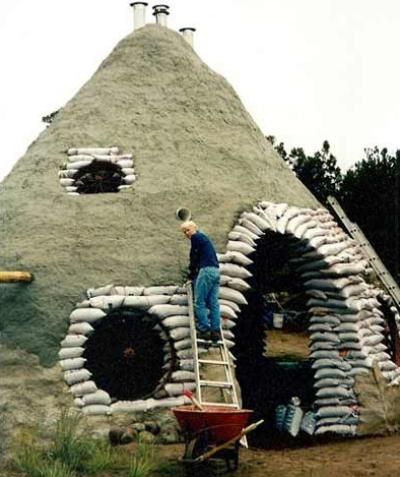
(346,324)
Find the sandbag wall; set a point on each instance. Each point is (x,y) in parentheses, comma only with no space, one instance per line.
(346,325)
(79,158)
(168,305)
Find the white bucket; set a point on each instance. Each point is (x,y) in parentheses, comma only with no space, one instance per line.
(278,320)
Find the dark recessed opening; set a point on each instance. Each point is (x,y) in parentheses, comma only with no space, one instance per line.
(98,177)
(125,355)
(391,332)
(268,381)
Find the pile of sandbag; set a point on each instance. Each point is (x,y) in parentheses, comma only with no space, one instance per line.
(346,325)
(168,305)
(84,156)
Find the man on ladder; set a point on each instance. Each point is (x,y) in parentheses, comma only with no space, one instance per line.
(204,272)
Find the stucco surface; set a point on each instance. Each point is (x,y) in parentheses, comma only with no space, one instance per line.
(194,145)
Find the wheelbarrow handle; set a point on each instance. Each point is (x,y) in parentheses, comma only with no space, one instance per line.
(242,433)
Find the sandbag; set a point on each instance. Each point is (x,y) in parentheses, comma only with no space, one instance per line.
(341,429)
(227,312)
(186,364)
(238,246)
(125,163)
(325,336)
(72,363)
(96,409)
(76,376)
(73,341)
(233,295)
(227,324)
(106,290)
(163,311)
(336,411)
(178,300)
(134,291)
(233,270)
(176,389)
(335,391)
(86,314)
(98,397)
(78,164)
(175,321)
(329,373)
(93,150)
(242,238)
(183,376)
(331,382)
(67,182)
(245,231)
(87,387)
(290,213)
(183,344)
(235,283)
(251,226)
(329,354)
(161,290)
(130,179)
(81,328)
(67,353)
(145,302)
(234,306)
(294,223)
(107,302)
(179,333)
(261,223)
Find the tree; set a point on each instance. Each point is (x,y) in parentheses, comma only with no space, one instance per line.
(370,195)
(319,172)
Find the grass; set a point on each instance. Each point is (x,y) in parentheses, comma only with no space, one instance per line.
(71,454)
(142,462)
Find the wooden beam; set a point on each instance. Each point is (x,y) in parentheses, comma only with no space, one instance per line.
(15,277)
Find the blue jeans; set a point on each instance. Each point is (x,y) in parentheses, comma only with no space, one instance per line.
(206,305)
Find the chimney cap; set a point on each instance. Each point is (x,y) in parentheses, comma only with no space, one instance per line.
(156,12)
(162,5)
(138,3)
(187,28)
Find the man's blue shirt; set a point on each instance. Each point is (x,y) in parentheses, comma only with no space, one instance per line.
(202,253)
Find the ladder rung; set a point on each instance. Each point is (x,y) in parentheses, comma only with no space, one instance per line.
(212,361)
(216,384)
(221,404)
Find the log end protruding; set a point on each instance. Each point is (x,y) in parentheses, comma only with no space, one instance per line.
(15,277)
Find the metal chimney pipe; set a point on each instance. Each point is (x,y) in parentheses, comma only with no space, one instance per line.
(187,33)
(161,13)
(139,14)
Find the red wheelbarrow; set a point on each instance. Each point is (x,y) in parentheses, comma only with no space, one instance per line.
(212,434)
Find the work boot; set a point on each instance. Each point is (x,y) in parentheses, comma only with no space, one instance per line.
(203,335)
(216,336)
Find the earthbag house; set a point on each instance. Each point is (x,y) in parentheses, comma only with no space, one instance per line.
(89,210)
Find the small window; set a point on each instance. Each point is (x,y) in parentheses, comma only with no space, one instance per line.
(97,170)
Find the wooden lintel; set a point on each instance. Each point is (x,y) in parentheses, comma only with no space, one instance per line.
(15,277)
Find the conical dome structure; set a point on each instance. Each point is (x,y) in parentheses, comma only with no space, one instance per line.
(193,144)
(122,257)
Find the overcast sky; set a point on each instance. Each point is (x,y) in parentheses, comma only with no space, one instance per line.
(306,70)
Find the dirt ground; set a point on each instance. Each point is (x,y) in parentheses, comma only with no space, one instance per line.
(377,456)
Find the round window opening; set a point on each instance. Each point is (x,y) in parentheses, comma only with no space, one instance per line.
(99,176)
(125,355)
